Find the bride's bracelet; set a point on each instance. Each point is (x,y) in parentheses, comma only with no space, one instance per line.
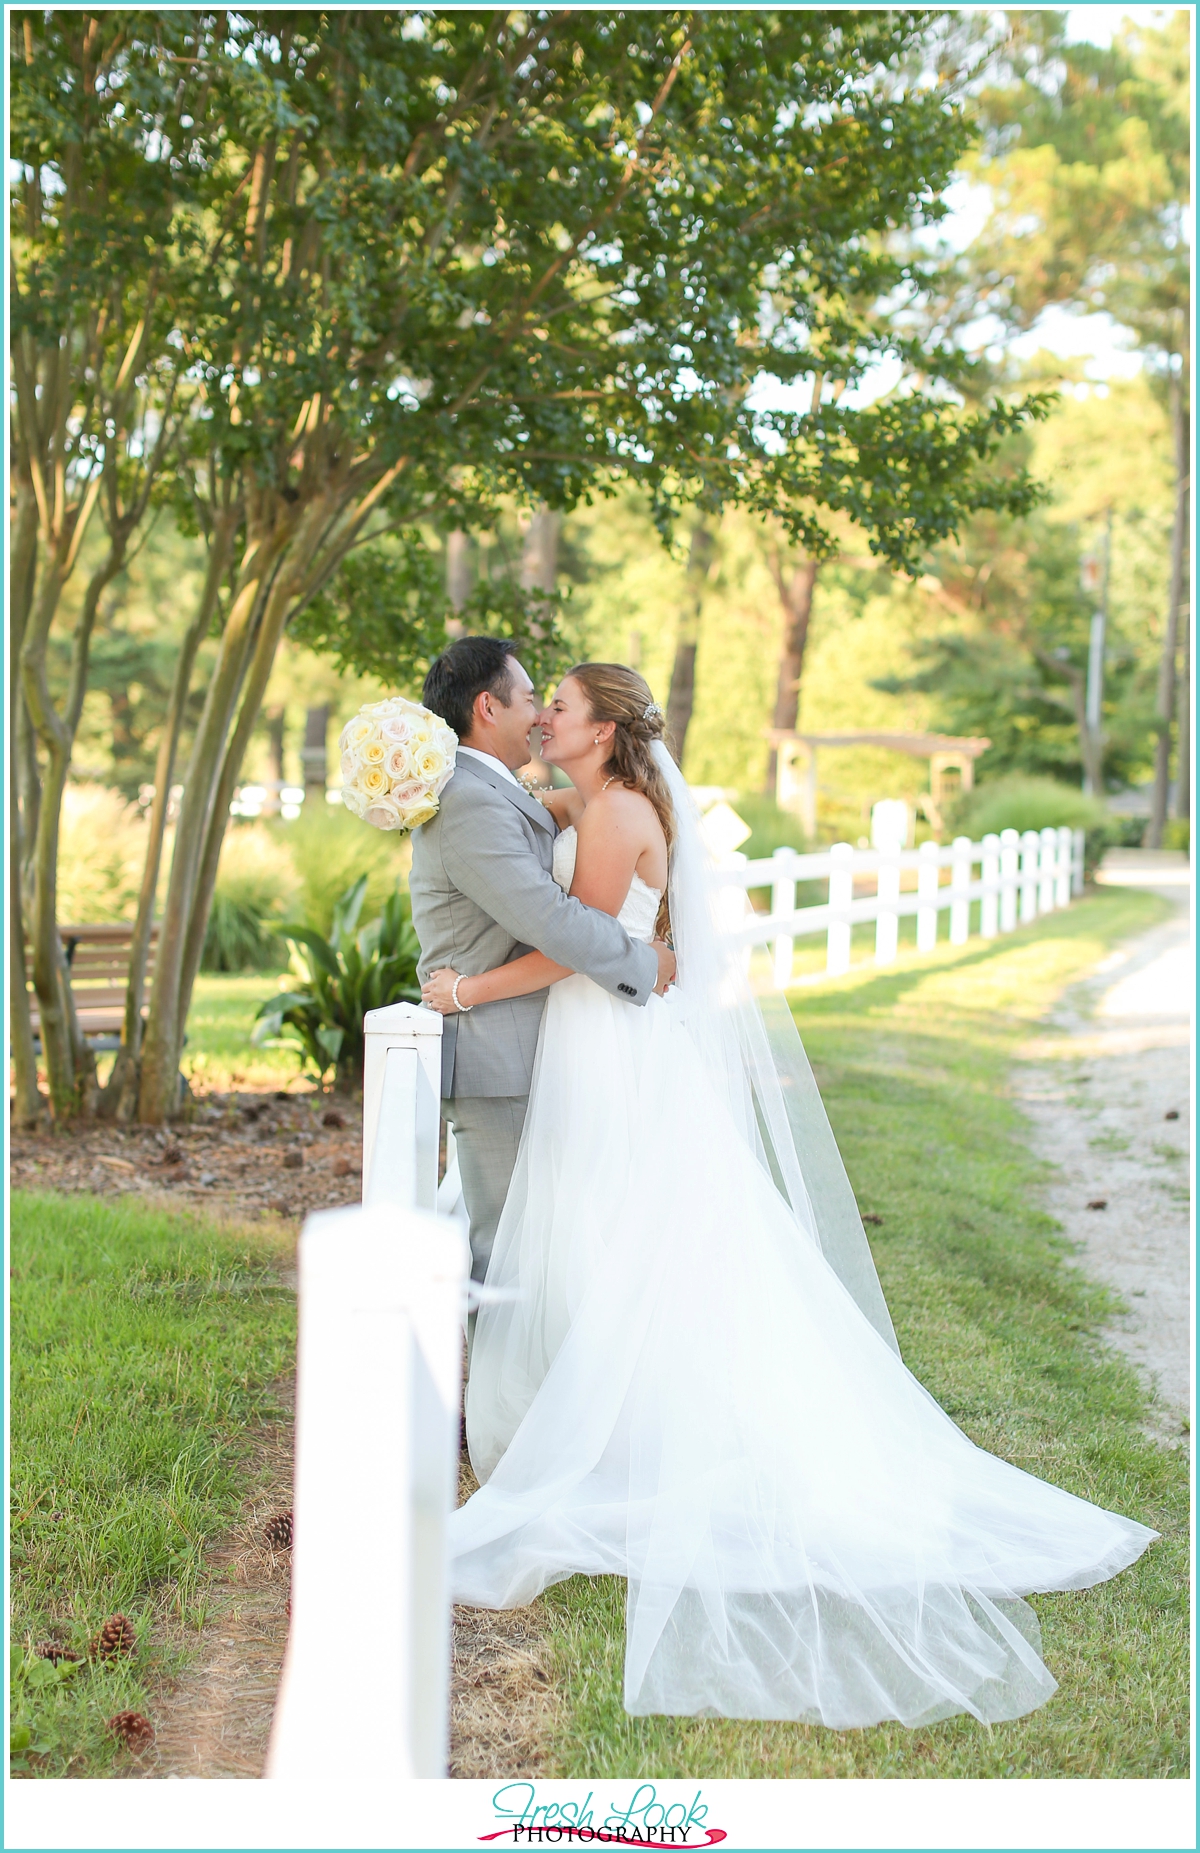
(462,1008)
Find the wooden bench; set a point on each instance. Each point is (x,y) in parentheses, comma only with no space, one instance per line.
(98,960)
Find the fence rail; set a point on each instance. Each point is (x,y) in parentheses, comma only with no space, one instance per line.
(1020,877)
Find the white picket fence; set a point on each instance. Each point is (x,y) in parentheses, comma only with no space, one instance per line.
(1020,877)
(382,1307)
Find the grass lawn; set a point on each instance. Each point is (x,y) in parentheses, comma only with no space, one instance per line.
(913,1064)
(144,1346)
(219,1054)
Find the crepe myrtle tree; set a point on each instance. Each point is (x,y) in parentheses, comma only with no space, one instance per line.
(454,257)
(97,276)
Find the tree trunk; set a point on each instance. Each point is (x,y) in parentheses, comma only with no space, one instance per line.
(314,755)
(119,1098)
(1165,705)
(1183,797)
(163,1036)
(796,596)
(682,694)
(26,1098)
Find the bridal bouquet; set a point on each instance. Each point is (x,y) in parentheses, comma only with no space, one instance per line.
(397,758)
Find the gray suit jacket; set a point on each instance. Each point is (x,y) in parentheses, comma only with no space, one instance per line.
(482,895)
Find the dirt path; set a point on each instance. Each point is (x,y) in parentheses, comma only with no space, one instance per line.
(1107,1088)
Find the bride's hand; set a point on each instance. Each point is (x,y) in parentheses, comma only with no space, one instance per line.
(437,992)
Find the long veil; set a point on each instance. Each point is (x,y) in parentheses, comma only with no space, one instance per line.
(753,1053)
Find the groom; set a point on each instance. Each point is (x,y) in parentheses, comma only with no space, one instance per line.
(482,895)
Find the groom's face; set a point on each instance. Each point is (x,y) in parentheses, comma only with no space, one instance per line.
(510,726)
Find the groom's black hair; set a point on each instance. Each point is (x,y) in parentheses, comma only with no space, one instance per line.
(469,667)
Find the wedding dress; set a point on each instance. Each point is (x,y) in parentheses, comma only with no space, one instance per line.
(688,1379)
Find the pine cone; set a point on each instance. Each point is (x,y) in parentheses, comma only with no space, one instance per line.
(115,1637)
(54,1651)
(134,1730)
(172,1153)
(331,1117)
(278,1532)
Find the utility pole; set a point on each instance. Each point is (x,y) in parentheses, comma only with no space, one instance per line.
(1093,757)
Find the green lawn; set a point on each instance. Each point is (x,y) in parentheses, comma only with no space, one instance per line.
(913,1064)
(143,1348)
(219,1053)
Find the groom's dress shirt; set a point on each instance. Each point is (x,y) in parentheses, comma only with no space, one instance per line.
(490,760)
(483,895)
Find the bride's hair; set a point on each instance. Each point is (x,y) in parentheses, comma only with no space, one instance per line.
(615,693)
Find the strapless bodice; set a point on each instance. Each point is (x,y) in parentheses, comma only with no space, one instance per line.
(640,909)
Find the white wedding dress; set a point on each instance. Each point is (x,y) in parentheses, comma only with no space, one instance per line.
(676,1387)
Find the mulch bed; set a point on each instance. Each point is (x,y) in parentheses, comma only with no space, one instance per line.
(239,1156)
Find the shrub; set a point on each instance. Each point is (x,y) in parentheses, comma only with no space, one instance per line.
(1029,804)
(256,883)
(770,827)
(330,849)
(1177,834)
(102,848)
(343,977)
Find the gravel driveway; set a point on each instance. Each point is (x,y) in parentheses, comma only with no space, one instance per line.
(1107,1088)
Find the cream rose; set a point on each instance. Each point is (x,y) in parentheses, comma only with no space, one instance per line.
(373,782)
(354,801)
(384,815)
(429,762)
(398,763)
(419,814)
(355,733)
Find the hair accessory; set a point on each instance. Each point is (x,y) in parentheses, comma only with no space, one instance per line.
(651,709)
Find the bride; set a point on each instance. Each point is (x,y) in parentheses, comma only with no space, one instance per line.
(688,1377)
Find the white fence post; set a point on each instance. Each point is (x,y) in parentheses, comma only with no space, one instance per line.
(841,894)
(783,901)
(989,907)
(1077,843)
(402,1084)
(1062,869)
(377,1400)
(1046,866)
(1031,849)
(960,878)
(1010,864)
(927,896)
(889,833)
(382,1300)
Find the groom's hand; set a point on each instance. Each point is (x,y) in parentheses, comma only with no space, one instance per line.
(666,966)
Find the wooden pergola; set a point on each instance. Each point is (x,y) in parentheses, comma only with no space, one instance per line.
(796,764)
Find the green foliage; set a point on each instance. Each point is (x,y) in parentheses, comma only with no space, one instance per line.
(1177,833)
(255,883)
(100,852)
(386,614)
(770,827)
(1028,804)
(329,850)
(351,972)
(142,1348)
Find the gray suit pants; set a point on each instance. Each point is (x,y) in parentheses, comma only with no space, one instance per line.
(487,1132)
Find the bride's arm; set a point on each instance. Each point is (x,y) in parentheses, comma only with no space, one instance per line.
(533,972)
(612,837)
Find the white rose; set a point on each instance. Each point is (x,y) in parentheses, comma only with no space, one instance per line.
(428,761)
(396,730)
(372,752)
(398,764)
(383,814)
(408,792)
(419,814)
(355,733)
(373,782)
(354,801)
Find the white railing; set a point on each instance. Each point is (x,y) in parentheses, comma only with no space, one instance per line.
(1020,877)
(382,1305)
